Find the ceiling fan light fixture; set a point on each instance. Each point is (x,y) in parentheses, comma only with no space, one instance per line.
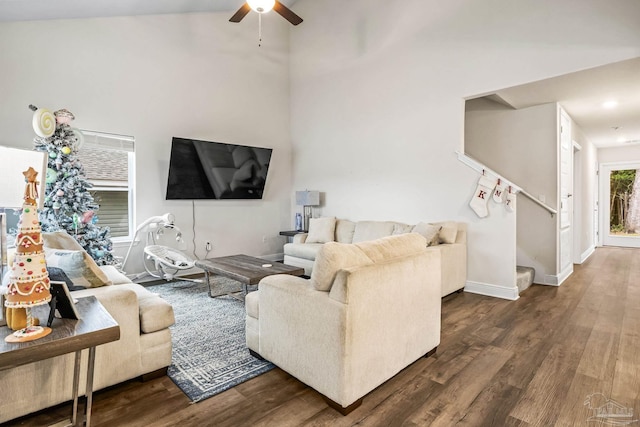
(261,6)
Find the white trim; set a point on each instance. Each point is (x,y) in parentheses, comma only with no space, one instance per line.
(554,279)
(565,274)
(492,290)
(586,254)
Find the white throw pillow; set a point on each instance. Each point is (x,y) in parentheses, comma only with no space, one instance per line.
(428,231)
(332,258)
(321,230)
(78,266)
(449,232)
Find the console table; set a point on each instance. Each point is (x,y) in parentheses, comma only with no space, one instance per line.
(95,327)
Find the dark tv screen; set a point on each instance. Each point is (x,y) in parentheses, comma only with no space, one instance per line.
(216,170)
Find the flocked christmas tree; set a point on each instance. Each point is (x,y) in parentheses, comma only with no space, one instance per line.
(68,204)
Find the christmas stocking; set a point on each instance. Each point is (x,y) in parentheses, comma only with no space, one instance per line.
(510,203)
(481,196)
(498,192)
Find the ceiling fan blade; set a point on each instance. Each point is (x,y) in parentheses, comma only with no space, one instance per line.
(241,13)
(286,13)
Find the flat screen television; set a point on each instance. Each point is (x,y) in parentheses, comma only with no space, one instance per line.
(216,170)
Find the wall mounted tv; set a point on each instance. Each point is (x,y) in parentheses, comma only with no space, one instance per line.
(215,170)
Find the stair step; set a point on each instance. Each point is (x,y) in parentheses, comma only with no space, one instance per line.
(524,277)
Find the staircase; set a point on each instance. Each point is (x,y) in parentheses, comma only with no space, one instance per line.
(524,277)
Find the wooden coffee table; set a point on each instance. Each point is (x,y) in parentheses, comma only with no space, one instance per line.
(245,269)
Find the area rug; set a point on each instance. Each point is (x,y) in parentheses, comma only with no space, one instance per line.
(209,350)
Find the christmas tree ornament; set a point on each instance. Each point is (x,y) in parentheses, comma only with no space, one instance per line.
(59,193)
(51,176)
(44,123)
(53,154)
(64,116)
(481,195)
(58,163)
(28,279)
(66,151)
(510,203)
(498,193)
(87,217)
(79,137)
(56,206)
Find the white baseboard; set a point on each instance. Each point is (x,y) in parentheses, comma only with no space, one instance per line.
(555,280)
(492,290)
(586,254)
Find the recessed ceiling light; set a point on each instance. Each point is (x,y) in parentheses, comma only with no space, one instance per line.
(609,104)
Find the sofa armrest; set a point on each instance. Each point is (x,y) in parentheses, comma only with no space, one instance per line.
(300,237)
(114,275)
(300,328)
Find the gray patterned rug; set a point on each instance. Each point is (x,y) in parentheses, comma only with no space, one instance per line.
(209,350)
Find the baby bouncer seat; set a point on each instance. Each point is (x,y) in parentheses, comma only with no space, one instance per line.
(161,261)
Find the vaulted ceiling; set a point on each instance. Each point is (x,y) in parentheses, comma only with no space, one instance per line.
(581,94)
(29,10)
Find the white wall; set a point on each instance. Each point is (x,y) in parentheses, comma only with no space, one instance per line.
(377,99)
(585,190)
(627,153)
(522,146)
(155,77)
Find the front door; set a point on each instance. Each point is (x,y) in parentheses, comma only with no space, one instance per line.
(620,189)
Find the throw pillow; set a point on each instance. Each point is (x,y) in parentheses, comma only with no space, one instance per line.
(321,230)
(78,266)
(400,228)
(428,231)
(58,275)
(391,247)
(449,232)
(333,257)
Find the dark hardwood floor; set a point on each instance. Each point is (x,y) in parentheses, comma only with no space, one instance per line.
(531,362)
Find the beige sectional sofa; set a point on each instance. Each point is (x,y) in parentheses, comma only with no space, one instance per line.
(144,345)
(450,242)
(369,310)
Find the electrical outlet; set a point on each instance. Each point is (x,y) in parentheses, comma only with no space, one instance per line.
(208,246)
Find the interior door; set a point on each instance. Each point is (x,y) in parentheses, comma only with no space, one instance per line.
(565,241)
(618,210)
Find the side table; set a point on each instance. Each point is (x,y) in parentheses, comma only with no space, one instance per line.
(291,233)
(95,327)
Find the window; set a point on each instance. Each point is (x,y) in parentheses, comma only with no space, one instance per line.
(108,162)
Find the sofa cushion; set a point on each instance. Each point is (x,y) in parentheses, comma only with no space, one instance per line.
(333,257)
(60,240)
(81,269)
(344,230)
(400,228)
(449,232)
(392,247)
(431,232)
(372,230)
(302,250)
(321,230)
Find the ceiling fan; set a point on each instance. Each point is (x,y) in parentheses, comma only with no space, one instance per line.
(264,6)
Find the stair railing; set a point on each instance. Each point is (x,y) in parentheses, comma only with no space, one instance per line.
(477,166)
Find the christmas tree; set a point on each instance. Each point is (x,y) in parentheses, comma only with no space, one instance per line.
(68,204)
